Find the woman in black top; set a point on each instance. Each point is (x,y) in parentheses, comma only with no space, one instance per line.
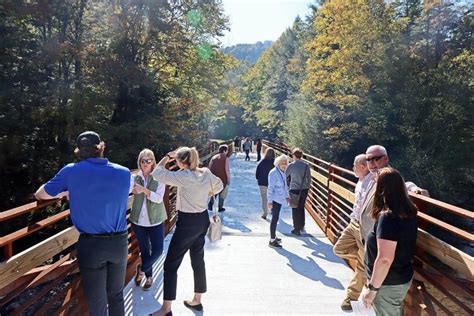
(261,174)
(390,246)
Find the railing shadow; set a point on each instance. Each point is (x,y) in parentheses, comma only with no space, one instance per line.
(309,269)
(320,249)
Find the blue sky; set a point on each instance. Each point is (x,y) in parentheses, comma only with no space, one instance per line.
(259,20)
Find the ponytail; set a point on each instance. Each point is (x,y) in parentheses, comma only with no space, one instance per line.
(188,156)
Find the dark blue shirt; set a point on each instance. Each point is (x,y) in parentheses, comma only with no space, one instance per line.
(98,194)
(263,169)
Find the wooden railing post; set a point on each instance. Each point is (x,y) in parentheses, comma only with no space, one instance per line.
(329,200)
(8,251)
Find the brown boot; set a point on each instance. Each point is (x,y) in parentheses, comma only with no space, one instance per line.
(346,304)
(148,283)
(139,275)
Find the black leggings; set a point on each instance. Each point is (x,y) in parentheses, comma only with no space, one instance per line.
(190,233)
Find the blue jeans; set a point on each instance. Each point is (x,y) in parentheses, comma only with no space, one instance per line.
(150,241)
(276,207)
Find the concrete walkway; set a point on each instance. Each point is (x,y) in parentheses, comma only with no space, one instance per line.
(245,276)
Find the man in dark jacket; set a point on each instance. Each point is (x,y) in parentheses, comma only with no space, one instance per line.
(263,169)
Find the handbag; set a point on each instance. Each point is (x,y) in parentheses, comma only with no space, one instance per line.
(295,197)
(214,232)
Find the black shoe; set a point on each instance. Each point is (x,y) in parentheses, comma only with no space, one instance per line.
(197,307)
(167,314)
(221,209)
(296,232)
(274,244)
(264,216)
(278,239)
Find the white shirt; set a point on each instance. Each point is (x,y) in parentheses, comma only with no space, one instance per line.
(193,187)
(157,197)
(361,190)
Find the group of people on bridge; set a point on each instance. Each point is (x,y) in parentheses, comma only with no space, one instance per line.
(381,235)
(383,221)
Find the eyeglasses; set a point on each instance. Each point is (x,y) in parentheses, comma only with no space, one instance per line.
(146,161)
(374,159)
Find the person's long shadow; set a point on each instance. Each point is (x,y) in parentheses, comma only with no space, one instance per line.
(232,223)
(320,249)
(309,269)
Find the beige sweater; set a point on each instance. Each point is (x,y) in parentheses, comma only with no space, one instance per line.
(193,187)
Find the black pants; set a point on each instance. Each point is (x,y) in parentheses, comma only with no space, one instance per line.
(276,207)
(299,213)
(259,154)
(190,233)
(247,157)
(102,264)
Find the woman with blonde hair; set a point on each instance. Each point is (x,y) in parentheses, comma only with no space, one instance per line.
(277,195)
(147,216)
(194,186)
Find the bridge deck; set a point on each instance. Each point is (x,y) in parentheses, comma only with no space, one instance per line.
(245,276)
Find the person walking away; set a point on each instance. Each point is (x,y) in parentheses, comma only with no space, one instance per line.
(98,195)
(349,245)
(298,174)
(277,196)
(220,167)
(194,186)
(390,245)
(247,148)
(259,149)
(236,144)
(261,174)
(147,216)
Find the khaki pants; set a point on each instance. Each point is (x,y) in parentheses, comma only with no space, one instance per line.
(349,246)
(389,299)
(263,196)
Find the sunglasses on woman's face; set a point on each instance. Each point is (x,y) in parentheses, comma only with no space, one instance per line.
(374,159)
(146,161)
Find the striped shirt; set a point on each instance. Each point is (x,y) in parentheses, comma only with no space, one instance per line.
(193,187)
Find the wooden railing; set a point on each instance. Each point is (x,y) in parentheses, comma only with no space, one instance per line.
(443,282)
(43,278)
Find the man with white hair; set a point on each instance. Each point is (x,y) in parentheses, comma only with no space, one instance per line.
(349,245)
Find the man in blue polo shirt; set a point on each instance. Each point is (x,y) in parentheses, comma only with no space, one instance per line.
(98,193)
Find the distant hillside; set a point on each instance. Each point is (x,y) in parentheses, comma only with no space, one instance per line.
(247,52)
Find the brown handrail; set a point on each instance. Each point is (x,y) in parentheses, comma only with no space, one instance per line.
(431,253)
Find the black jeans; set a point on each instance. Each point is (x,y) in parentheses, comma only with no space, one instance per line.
(150,241)
(247,157)
(190,233)
(259,154)
(299,213)
(276,207)
(102,263)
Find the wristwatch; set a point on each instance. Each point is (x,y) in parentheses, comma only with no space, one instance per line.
(373,288)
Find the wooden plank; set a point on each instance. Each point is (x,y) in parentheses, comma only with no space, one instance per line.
(18,265)
(459,261)
(319,177)
(27,208)
(33,228)
(447,227)
(341,191)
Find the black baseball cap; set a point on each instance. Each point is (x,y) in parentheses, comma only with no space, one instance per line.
(88,139)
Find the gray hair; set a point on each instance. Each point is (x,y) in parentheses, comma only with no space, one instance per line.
(360,159)
(279,159)
(378,148)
